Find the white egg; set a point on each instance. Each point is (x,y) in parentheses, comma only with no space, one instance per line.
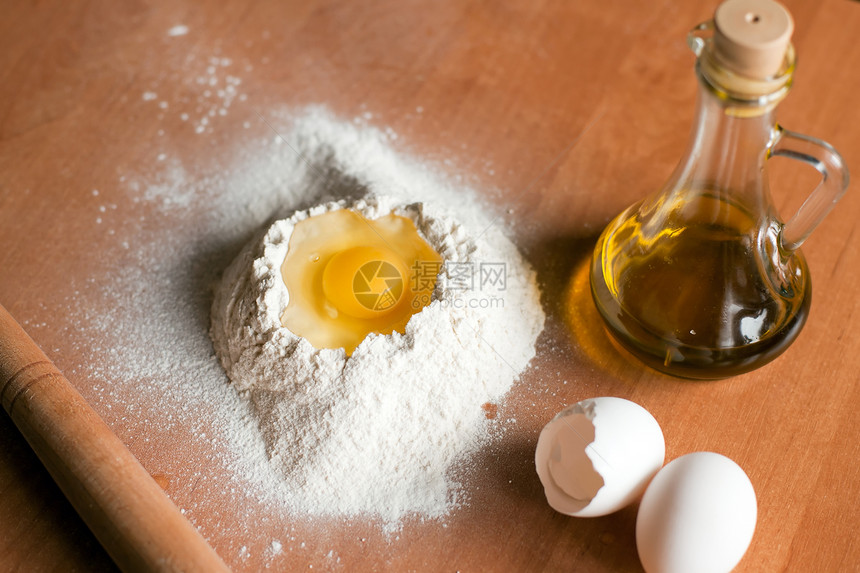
(698,514)
(598,455)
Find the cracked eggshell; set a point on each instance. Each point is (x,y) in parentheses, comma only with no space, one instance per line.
(597,456)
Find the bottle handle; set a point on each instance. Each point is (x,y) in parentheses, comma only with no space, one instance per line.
(834,182)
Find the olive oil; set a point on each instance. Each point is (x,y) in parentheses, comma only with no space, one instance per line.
(701,278)
(707,294)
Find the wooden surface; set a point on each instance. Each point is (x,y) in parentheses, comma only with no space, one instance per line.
(564,112)
(121,503)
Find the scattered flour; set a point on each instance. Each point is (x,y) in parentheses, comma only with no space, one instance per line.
(171,229)
(378,433)
(217,88)
(178,30)
(276,547)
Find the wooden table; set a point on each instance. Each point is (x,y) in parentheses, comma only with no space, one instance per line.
(565,112)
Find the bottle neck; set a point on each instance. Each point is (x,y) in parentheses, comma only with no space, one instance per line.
(728,145)
(734,127)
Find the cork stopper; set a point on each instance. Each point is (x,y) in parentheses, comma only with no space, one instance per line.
(751,36)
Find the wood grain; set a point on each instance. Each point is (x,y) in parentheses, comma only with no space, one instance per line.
(563,112)
(123,506)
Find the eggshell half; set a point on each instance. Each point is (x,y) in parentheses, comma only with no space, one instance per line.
(598,456)
(698,514)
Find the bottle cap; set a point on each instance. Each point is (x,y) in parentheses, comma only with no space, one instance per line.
(751,36)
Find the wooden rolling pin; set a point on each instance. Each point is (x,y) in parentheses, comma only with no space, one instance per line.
(127,511)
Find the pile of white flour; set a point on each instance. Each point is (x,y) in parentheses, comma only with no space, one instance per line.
(378,432)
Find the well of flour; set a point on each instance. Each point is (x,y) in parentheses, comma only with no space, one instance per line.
(378,433)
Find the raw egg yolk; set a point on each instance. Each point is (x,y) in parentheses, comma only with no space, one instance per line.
(364,282)
(348,277)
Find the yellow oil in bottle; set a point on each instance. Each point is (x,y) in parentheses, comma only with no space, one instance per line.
(701,279)
(701,296)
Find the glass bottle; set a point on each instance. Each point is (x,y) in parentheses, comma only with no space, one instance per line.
(703,279)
